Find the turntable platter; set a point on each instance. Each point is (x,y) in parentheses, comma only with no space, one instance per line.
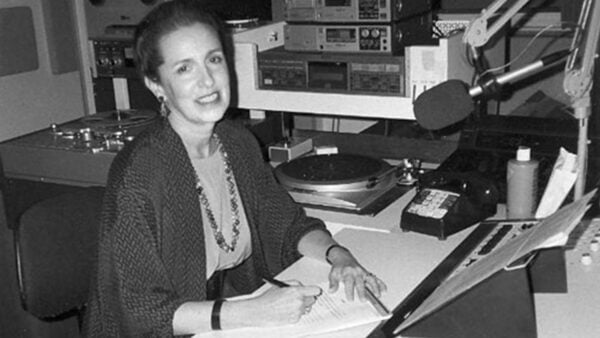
(342,182)
(337,172)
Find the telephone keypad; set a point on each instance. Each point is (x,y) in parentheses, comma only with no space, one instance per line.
(433,203)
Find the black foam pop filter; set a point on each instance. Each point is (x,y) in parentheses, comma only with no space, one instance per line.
(443,105)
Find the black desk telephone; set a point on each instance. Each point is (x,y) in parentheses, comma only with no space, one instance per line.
(447,202)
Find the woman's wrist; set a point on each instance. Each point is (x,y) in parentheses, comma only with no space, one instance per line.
(333,251)
(238,313)
(215,317)
(196,316)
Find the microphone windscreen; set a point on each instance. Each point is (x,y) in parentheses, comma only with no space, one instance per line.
(443,105)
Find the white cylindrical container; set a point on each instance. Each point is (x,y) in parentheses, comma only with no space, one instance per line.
(521,189)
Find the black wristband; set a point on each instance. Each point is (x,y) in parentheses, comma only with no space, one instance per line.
(332,246)
(215,317)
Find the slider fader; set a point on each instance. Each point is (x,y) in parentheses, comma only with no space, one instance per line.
(583,248)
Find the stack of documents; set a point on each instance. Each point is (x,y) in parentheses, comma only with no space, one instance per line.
(331,312)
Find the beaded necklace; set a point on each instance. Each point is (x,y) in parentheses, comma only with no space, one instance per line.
(235,213)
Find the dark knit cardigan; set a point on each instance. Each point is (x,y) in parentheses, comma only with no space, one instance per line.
(151,255)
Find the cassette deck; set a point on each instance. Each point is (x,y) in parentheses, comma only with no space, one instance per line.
(372,11)
(347,73)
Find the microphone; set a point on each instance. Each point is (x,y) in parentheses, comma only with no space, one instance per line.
(452,101)
(443,105)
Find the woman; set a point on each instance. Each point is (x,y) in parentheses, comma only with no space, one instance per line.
(191,203)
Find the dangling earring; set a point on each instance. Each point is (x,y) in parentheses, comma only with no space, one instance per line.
(164,109)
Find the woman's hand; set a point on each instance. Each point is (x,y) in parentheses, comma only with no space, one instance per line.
(346,269)
(280,306)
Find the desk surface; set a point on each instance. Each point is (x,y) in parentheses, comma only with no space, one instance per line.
(575,313)
(403,259)
(388,261)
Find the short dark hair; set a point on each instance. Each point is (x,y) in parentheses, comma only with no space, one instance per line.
(165,19)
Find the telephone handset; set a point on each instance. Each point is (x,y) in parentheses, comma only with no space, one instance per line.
(447,202)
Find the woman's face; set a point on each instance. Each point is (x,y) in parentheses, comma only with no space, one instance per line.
(194,78)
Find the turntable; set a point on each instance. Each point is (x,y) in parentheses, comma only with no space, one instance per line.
(343,182)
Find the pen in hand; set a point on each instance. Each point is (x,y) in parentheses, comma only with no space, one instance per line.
(281,284)
(376,302)
(275,282)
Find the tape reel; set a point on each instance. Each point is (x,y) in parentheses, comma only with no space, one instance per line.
(119,119)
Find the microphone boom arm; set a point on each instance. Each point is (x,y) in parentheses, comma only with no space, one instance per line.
(481,29)
(578,79)
(579,73)
(523,72)
(477,34)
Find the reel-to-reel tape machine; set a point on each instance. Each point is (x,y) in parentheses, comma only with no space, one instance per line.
(78,152)
(103,132)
